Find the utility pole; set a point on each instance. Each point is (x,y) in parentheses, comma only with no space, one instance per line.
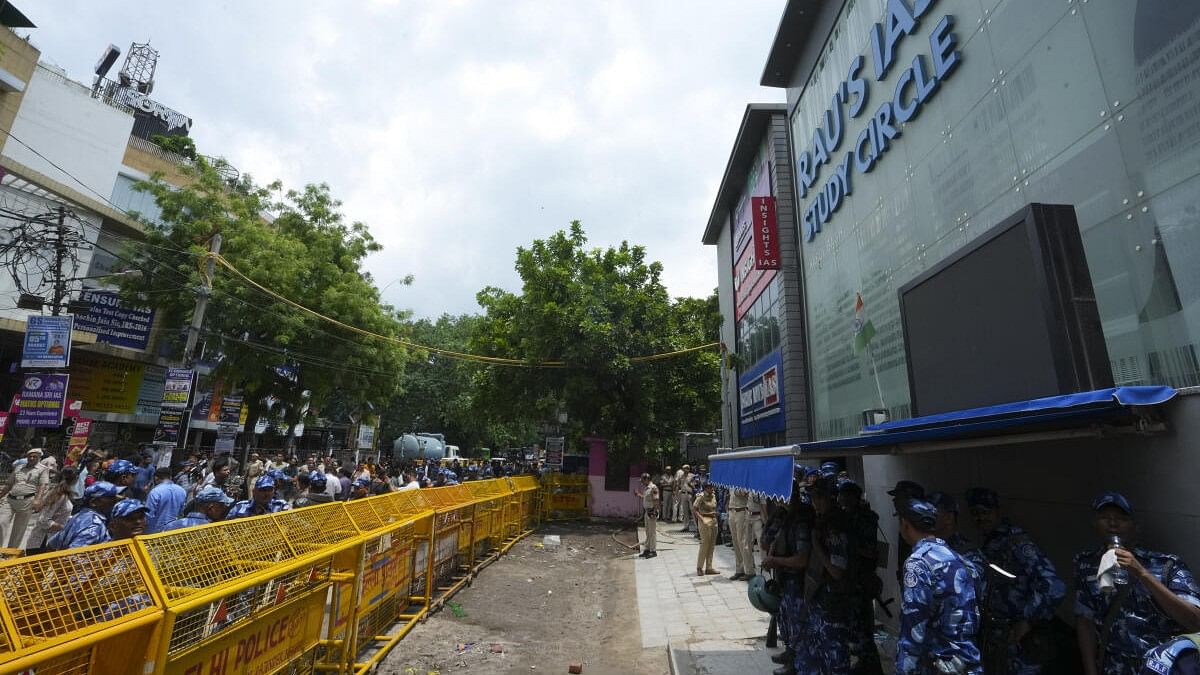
(202,295)
(60,251)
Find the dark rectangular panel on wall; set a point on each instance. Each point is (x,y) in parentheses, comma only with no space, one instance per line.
(1012,316)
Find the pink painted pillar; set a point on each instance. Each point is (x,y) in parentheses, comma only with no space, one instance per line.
(613,504)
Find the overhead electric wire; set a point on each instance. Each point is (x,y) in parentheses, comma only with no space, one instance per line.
(489,360)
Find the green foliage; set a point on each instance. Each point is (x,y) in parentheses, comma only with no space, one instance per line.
(307,253)
(180,145)
(595,309)
(437,393)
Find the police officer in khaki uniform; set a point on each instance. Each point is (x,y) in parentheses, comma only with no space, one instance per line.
(650,505)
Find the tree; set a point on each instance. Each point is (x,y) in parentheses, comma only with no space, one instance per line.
(307,253)
(595,310)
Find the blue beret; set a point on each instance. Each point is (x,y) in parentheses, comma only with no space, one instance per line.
(316,478)
(362,482)
(1111,498)
(848,485)
(265,483)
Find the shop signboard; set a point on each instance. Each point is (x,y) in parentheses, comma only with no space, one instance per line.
(554,451)
(107,384)
(112,322)
(761,397)
(176,394)
(47,342)
(229,424)
(766,233)
(80,432)
(43,399)
(366,436)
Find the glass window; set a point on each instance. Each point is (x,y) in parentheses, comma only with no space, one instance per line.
(1088,104)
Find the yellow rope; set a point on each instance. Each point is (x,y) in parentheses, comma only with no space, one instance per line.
(491,360)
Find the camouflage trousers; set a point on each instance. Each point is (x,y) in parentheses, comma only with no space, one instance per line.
(826,647)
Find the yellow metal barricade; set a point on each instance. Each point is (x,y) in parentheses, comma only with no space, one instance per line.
(565,497)
(527,487)
(80,611)
(248,595)
(328,588)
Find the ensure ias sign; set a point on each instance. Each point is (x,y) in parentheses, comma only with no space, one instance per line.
(913,87)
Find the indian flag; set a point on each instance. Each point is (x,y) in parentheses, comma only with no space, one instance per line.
(864,330)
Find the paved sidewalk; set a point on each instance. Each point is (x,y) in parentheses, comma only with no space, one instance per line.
(707,624)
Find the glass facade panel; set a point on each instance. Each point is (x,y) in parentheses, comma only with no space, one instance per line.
(1093,104)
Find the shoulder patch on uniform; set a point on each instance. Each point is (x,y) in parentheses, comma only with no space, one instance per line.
(910,579)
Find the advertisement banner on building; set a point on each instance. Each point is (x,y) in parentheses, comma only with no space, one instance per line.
(3,423)
(749,279)
(80,432)
(366,436)
(554,451)
(230,424)
(766,233)
(176,394)
(47,342)
(43,398)
(112,322)
(106,384)
(761,397)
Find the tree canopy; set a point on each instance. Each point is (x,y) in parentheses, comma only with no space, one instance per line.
(296,243)
(596,309)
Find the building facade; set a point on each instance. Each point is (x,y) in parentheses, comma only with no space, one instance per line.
(916,127)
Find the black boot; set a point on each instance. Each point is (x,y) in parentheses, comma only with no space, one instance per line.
(785,656)
(785,669)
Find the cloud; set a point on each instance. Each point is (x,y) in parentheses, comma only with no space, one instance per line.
(461,130)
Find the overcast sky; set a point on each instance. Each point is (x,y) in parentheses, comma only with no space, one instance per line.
(460,130)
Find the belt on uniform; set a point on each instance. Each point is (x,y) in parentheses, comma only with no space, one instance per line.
(20,496)
(739,508)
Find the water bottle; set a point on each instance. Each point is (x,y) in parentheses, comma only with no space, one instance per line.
(1120,575)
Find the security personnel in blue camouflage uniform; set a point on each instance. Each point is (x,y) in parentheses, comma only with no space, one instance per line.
(1011,610)
(1159,599)
(947,530)
(90,524)
(827,649)
(210,505)
(863,524)
(787,544)
(1180,656)
(261,502)
(939,619)
(122,473)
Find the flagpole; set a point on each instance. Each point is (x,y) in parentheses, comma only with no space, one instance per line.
(875,373)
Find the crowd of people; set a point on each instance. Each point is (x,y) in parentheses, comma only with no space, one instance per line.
(50,504)
(966,607)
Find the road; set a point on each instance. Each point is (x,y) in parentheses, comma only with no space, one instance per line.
(538,609)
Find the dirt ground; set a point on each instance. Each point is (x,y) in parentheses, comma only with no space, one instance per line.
(536,610)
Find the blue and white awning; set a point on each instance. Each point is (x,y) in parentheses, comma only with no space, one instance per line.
(765,473)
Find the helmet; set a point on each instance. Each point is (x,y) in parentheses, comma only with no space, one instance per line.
(763,594)
(120,468)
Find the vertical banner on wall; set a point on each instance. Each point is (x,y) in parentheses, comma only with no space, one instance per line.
(3,423)
(230,424)
(43,398)
(761,397)
(766,233)
(47,341)
(79,438)
(176,396)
